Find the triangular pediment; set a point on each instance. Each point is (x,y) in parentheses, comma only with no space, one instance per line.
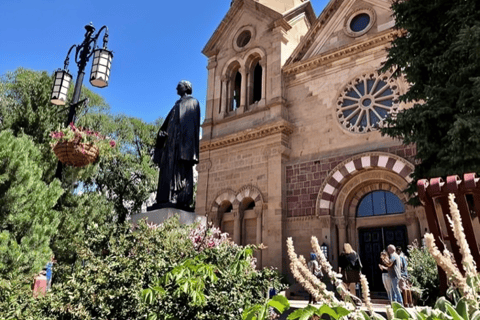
(232,19)
(336,27)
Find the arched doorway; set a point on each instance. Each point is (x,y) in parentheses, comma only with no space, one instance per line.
(373,240)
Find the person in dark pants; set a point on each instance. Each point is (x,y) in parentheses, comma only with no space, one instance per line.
(350,267)
(403,283)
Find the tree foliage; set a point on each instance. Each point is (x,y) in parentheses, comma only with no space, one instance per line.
(27,218)
(423,272)
(439,55)
(109,190)
(25,108)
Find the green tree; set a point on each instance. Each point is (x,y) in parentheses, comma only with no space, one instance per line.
(439,55)
(104,192)
(27,218)
(130,177)
(25,108)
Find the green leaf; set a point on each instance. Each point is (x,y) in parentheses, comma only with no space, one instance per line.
(462,308)
(302,314)
(396,306)
(341,311)
(402,313)
(251,313)
(325,309)
(147,295)
(442,303)
(453,313)
(280,303)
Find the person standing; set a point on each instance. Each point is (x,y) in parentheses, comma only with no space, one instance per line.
(403,282)
(387,282)
(350,267)
(395,273)
(315,270)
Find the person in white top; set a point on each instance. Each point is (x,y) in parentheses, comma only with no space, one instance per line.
(315,270)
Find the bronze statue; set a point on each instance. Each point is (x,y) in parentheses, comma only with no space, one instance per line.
(177,151)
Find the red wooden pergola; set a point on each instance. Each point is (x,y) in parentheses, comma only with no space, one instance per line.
(434,195)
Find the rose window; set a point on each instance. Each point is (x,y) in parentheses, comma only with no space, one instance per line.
(366,102)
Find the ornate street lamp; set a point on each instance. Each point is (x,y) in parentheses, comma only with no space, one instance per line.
(60,87)
(99,77)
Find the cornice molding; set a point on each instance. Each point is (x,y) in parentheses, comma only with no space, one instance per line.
(283,127)
(342,53)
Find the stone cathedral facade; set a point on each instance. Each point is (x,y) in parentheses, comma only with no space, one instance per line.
(290,144)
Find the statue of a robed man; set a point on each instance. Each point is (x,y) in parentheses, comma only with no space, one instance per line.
(177,151)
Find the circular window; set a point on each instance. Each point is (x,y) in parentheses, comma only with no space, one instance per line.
(244,38)
(365,102)
(360,22)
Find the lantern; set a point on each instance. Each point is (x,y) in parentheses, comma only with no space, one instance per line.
(102,61)
(60,87)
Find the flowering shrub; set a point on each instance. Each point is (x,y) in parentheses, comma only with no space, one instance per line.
(155,272)
(203,237)
(82,136)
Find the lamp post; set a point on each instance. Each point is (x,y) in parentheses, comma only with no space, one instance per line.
(99,75)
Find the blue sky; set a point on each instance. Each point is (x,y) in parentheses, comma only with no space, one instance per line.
(155,44)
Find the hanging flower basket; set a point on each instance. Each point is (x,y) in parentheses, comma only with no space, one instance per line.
(79,147)
(76,154)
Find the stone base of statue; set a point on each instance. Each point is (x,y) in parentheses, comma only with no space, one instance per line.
(160,215)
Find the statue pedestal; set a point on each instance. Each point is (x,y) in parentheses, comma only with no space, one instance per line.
(160,215)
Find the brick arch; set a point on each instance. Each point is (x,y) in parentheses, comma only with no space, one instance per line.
(343,172)
(252,192)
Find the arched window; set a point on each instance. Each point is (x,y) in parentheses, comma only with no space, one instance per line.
(378,203)
(248,222)
(257,83)
(255,78)
(226,217)
(236,92)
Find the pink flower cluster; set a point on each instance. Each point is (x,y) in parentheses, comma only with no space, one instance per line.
(204,237)
(56,135)
(80,134)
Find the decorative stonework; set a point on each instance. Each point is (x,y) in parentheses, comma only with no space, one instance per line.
(312,63)
(355,13)
(204,165)
(283,127)
(348,168)
(366,101)
(236,198)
